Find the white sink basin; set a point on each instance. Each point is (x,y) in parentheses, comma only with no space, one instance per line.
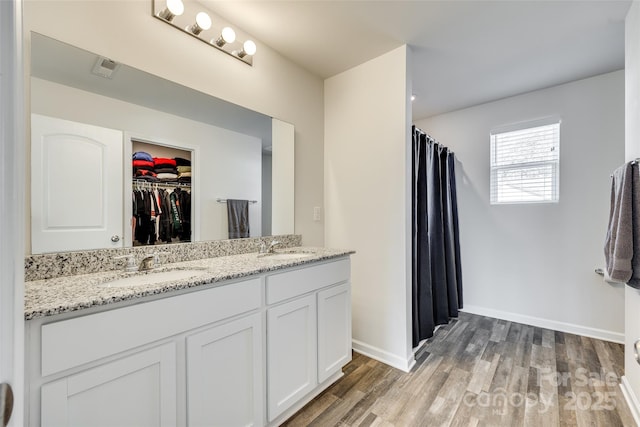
(151,278)
(288,256)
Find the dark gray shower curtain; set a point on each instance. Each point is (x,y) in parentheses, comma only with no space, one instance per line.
(437,277)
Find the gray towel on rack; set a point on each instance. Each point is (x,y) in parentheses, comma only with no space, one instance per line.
(238,214)
(622,244)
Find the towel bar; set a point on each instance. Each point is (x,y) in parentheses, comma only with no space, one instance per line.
(599,271)
(633,162)
(225,201)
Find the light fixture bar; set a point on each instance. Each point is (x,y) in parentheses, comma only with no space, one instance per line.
(190,19)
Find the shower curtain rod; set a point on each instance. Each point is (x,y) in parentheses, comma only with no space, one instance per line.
(432,140)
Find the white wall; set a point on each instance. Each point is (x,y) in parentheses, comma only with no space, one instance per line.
(228,164)
(266,194)
(631,382)
(126,32)
(282,177)
(367,200)
(534,263)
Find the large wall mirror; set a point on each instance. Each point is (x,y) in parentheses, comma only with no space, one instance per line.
(90,114)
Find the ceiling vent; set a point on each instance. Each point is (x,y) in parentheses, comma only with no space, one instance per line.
(105,67)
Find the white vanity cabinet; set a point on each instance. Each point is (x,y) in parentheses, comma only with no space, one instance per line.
(245,352)
(147,364)
(308,331)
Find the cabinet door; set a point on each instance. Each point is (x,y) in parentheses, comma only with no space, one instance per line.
(137,390)
(291,353)
(76,186)
(334,330)
(224,375)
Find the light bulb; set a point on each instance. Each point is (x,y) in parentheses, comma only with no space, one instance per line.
(203,21)
(174,8)
(227,36)
(249,48)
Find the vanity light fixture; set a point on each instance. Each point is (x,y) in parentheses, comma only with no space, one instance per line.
(174,8)
(189,17)
(227,36)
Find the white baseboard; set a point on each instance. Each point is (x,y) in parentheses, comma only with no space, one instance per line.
(571,328)
(631,399)
(384,356)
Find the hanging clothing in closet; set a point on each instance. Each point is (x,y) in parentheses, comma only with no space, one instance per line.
(145,212)
(164,231)
(161,216)
(184,197)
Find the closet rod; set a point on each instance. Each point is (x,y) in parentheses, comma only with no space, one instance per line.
(160,183)
(225,201)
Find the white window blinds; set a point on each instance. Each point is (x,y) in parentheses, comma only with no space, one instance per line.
(525,164)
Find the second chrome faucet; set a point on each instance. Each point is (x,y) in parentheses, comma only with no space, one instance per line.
(264,249)
(148,262)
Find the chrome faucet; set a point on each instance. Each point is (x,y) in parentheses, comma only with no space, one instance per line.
(272,246)
(147,263)
(131,262)
(270,249)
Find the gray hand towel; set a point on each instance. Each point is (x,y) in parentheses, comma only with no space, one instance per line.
(623,233)
(238,214)
(635,213)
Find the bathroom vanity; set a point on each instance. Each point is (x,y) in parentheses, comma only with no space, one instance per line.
(247,342)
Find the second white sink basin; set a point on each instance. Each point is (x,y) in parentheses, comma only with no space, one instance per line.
(288,256)
(151,278)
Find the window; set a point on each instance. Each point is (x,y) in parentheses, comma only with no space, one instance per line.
(525,163)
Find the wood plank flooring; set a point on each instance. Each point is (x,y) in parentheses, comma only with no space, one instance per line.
(480,371)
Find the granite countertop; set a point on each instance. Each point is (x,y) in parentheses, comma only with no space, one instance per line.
(48,297)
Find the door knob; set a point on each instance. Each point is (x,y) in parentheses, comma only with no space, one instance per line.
(115,238)
(6,404)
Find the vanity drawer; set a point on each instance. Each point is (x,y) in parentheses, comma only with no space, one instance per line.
(287,285)
(80,340)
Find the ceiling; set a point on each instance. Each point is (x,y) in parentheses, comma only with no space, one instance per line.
(464,53)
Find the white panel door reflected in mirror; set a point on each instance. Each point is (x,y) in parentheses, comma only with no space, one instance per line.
(76,186)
